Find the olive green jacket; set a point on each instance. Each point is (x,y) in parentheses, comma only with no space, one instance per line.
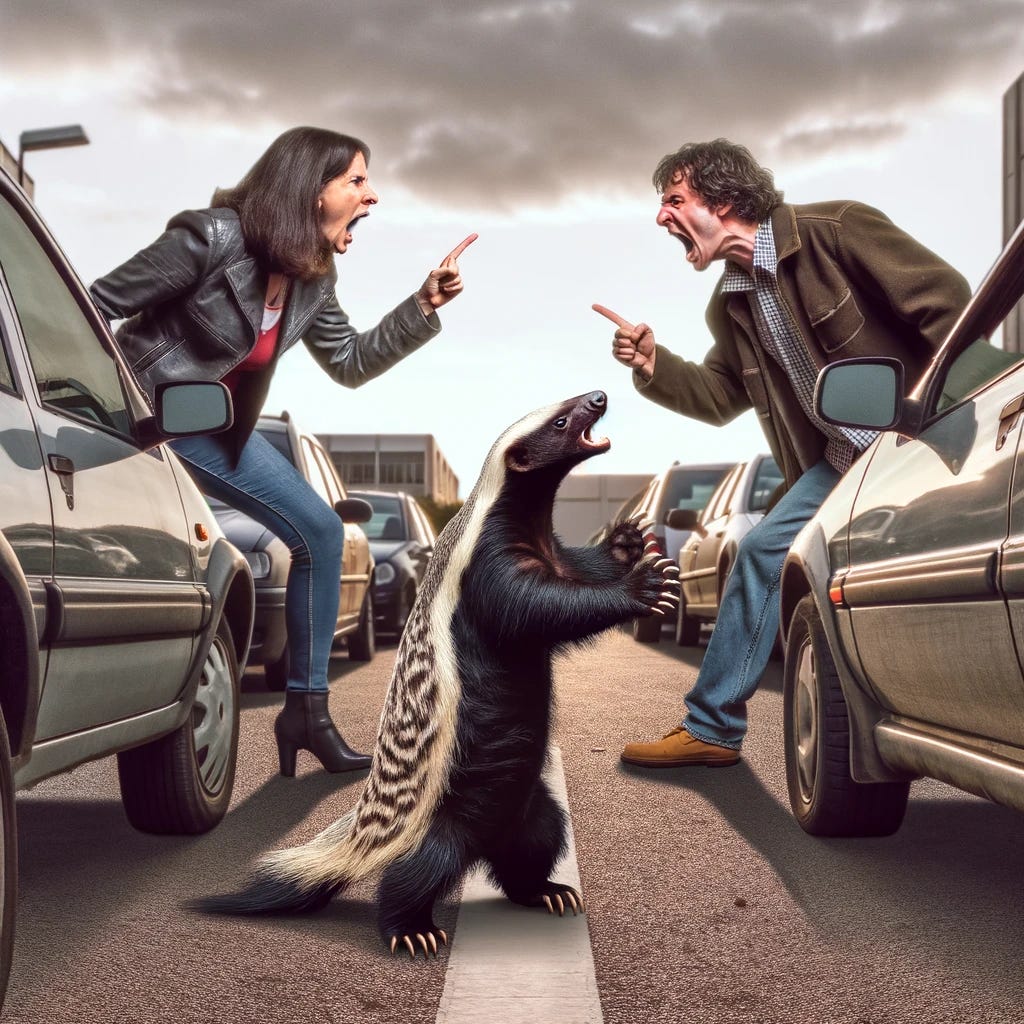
(854,285)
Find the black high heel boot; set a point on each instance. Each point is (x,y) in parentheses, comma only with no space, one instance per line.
(305,724)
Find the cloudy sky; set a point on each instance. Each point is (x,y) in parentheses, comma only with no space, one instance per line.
(537,124)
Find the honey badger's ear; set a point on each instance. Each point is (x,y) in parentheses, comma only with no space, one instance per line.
(517,458)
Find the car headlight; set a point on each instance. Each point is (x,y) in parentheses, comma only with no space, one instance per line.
(384,573)
(259,563)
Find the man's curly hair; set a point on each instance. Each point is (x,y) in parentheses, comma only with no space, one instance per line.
(722,173)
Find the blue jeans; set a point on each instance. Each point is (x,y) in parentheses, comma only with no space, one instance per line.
(269,489)
(748,616)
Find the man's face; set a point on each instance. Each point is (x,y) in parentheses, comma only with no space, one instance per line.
(684,216)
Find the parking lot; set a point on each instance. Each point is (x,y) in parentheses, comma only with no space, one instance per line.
(705,901)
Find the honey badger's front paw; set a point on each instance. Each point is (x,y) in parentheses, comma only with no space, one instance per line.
(626,541)
(557,898)
(654,582)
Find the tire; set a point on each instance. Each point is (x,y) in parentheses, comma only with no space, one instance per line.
(687,627)
(825,800)
(181,783)
(8,861)
(362,644)
(647,630)
(275,673)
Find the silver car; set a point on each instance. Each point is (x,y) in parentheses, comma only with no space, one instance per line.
(709,552)
(903,599)
(125,615)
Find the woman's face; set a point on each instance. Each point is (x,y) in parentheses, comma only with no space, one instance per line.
(343,201)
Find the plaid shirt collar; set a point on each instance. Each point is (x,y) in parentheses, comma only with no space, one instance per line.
(736,279)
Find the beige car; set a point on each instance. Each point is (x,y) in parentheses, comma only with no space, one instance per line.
(270,560)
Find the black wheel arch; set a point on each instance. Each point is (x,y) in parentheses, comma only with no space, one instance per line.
(19,677)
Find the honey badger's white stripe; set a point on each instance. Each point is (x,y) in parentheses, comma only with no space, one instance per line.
(417,734)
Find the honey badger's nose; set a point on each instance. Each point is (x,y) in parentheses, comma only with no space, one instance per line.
(597,400)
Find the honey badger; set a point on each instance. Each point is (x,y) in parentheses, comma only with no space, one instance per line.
(456,774)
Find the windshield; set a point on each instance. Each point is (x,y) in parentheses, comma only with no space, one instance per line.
(691,488)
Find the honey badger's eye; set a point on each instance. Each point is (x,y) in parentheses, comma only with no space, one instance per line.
(561,423)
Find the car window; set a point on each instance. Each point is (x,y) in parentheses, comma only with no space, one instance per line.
(387,522)
(74,373)
(428,531)
(978,364)
(767,479)
(314,472)
(690,488)
(722,498)
(6,377)
(323,464)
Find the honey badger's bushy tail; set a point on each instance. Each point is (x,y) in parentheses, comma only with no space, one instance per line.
(294,881)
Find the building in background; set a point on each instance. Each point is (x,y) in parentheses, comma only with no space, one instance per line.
(586,501)
(393,462)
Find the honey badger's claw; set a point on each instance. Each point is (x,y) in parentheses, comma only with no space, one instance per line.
(650,559)
(671,570)
(444,935)
(573,903)
(547,903)
(433,942)
(667,605)
(663,564)
(409,946)
(394,943)
(561,905)
(645,525)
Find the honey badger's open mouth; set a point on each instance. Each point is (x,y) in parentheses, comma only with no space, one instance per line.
(587,438)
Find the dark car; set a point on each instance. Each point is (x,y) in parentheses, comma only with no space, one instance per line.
(125,614)
(270,559)
(708,554)
(402,541)
(903,598)
(679,486)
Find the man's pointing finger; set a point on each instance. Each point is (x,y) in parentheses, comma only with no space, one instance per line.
(614,317)
(459,249)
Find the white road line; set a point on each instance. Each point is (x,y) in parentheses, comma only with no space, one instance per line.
(518,965)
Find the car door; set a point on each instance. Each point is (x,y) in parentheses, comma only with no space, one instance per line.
(928,534)
(123,607)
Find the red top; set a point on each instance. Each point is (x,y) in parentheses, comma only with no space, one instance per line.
(266,343)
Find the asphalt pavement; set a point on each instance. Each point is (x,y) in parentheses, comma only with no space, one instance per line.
(705,901)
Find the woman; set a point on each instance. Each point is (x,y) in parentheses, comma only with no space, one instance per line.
(221,295)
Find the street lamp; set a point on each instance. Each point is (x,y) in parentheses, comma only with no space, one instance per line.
(48,138)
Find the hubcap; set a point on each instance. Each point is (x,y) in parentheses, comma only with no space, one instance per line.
(213,716)
(805,725)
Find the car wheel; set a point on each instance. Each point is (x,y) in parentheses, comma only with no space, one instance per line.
(8,861)
(647,630)
(826,801)
(687,627)
(275,673)
(182,782)
(362,644)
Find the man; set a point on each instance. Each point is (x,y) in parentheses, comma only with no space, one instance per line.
(803,286)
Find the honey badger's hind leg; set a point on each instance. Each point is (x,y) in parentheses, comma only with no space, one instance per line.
(520,861)
(410,886)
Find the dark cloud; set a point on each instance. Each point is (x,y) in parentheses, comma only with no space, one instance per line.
(499,103)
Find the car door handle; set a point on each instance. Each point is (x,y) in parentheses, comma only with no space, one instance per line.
(1008,419)
(65,470)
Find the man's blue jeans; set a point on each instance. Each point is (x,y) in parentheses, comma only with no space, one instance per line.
(748,616)
(267,487)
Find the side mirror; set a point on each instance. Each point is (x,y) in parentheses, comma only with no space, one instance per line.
(186,408)
(354,510)
(682,519)
(193,408)
(866,393)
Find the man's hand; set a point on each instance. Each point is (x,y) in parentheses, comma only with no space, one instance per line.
(444,282)
(633,344)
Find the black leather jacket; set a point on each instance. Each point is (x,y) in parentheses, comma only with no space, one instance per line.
(192,303)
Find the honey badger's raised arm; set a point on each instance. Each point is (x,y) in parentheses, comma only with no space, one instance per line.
(559,595)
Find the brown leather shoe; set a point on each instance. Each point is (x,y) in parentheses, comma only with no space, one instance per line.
(678,749)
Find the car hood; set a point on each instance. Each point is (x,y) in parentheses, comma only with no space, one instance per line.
(245,533)
(382,550)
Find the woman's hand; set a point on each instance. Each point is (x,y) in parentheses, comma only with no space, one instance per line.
(445,282)
(633,344)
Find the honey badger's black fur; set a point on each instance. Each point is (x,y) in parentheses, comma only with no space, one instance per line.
(456,776)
